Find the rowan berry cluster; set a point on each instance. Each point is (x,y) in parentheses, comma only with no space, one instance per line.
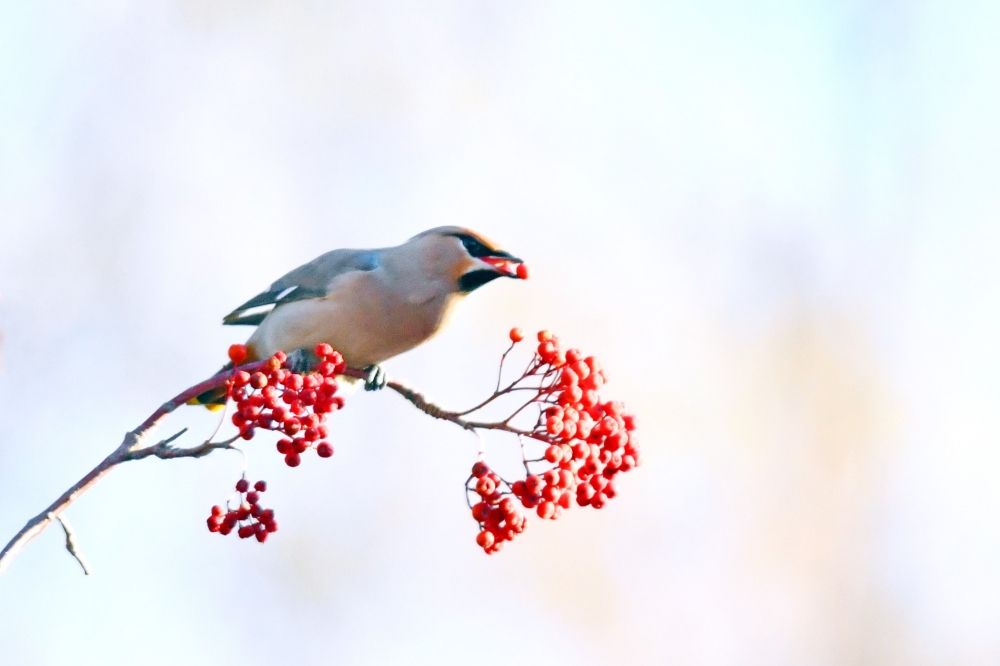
(294,404)
(498,517)
(252,519)
(589,441)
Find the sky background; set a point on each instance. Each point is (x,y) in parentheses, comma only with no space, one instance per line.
(776,223)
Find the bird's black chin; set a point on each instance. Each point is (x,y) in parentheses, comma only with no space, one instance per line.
(475,279)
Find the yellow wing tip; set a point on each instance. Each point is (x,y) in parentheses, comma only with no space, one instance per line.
(209,407)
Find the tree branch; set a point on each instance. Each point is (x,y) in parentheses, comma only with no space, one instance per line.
(132,448)
(129,449)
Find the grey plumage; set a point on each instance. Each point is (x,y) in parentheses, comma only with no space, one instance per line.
(310,280)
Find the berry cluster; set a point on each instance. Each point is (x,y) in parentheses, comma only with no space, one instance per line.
(252,518)
(498,517)
(276,398)
(589,441)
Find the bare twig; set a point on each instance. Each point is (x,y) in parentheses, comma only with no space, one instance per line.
(427,407)
(71,544)
(129,449)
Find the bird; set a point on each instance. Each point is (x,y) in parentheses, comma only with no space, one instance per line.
(370,305)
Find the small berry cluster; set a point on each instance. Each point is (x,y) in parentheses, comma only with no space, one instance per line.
(276,398)
(498,517)
(589,443)
(252,518)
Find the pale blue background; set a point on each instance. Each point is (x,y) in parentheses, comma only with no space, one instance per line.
(776,222)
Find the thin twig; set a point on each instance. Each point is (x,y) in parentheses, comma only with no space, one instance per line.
(71,544)
(131,444)
(502,359)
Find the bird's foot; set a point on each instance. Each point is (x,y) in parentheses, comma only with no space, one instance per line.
(375,378)
(301,361)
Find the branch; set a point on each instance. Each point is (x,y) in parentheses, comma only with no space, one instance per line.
(132,448)
(427,407)
(129,449)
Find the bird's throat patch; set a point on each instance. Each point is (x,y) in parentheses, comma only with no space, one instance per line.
(475,279)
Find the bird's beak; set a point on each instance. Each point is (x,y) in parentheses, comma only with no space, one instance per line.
(505,264)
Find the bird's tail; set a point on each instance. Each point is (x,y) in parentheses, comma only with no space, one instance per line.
(213,399)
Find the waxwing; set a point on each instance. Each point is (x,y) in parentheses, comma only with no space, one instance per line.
(371,305)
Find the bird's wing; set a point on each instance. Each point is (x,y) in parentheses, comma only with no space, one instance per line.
(311,280)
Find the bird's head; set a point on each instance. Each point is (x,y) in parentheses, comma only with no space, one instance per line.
(471,258)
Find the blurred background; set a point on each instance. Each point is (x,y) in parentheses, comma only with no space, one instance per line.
(775,222)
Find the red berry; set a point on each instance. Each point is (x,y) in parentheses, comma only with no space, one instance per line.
(480,469)
(485,486)
(516,335)
(242,485)
(323,350)
(260,486)
(553,454)
(324,450)
(253,497)
(293,460)
(546,510)
(261,536)
(481,511)
(565,478)
(217,511)
(485,539)
(544,336)
(237,354)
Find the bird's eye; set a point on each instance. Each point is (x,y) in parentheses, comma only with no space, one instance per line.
(475,247)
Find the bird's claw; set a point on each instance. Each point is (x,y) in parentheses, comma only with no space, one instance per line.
(301,361)
(375,378)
